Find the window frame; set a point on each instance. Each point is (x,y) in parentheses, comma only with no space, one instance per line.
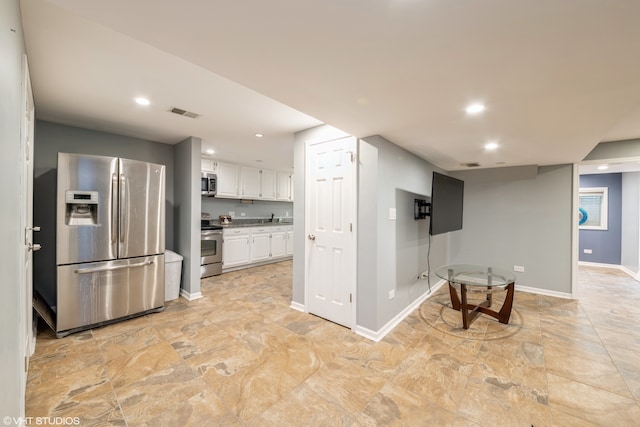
(604,206)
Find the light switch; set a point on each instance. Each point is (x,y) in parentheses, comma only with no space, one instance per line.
(392,213)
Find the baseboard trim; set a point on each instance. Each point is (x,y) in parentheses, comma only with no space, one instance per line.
(190,296)
(297,306)
(544,292)
(378,335)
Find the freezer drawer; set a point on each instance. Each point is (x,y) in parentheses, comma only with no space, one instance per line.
(93,293)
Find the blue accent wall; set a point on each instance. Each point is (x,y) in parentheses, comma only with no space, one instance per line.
(605,244)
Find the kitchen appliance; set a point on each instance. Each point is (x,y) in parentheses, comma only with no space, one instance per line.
(110,243)
(208,184)
(210,251)
(225,219)
(210,247)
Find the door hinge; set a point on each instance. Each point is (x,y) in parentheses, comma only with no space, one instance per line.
(350,297)
(351,227)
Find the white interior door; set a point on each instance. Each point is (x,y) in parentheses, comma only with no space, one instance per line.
(330,227)
(27,206)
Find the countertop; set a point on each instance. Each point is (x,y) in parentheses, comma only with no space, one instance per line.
(237,223)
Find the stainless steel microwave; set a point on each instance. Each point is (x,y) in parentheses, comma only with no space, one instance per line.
(208,184)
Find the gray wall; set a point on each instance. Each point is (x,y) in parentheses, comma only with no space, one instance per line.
(12,304)
(615,150)
(630,244)
(400,174)
(514,218)
(51,138)
(187,212)
(604,244)
(258,209)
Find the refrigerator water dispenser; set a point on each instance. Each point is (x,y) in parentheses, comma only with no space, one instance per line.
(81,207)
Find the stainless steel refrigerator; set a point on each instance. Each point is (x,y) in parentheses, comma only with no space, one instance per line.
(110,241)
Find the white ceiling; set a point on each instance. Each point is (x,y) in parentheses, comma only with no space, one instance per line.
(557,77)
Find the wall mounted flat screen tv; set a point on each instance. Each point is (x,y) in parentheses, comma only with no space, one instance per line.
(447,194)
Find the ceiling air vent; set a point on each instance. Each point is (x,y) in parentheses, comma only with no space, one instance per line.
(185,113)
(471,165)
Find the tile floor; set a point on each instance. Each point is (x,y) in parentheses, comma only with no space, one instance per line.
(241,356)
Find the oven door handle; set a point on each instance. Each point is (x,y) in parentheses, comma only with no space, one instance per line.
(210,233)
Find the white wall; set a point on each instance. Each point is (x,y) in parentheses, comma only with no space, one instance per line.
(631,221)
(12,316)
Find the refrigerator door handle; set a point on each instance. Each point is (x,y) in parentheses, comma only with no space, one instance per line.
(116,267)
(114,208)
(122,206)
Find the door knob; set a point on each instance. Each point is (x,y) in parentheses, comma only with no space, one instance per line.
(34,247)
(312,237)
(34,228)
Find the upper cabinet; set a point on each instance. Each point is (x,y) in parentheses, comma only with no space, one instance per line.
(284,190)
(249,183)
(246,182)
(208,165)
(267,184)
(228,180)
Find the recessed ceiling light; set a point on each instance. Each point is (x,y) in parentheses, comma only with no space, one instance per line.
(491,146)
(259,135)
(210,151)
(142,101)
(475,108)
(603,167)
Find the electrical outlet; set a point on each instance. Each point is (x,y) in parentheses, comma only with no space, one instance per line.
(392,294)
(286,214)
(588,251)
(232,214)
(242,214)
(518,268)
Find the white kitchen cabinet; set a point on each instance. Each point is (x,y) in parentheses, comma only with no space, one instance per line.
(249,182)
(236,247)
(267,184)
(284,187)
(260,245)
(208,165)
(248,246)
(289,242)
(278,242)
(228,180)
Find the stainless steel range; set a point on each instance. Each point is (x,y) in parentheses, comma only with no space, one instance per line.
(210,249)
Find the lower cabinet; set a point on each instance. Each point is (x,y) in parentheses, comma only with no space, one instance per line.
(260,245)
(251,245)
(236,249)
(278,244)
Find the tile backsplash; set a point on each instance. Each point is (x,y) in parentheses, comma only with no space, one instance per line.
(257,209)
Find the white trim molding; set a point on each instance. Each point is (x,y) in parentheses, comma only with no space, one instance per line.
(297,306)
(544,292)
(382,332)
(190,296)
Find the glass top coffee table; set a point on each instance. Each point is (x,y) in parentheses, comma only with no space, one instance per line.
(468,278)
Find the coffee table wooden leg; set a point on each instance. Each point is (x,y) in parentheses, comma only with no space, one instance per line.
(464,308)
(505,311)
(455,302)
